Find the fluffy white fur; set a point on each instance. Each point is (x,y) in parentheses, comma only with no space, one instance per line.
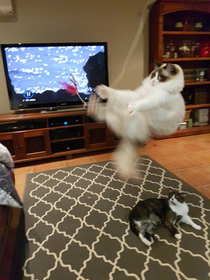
(155,108)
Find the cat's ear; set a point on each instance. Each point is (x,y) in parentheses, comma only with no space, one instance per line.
(156,64)
(169,67)
(182,195)
(171,190)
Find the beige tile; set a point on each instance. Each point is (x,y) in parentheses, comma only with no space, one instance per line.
(20,174)
(48,166)
(20,189)
(102,157)
(188,140)
(154,143)
(205,190)
(204,136)
(200,175)
(79,161)
(205,144)
(21,170)
(143,152)
(20,178)
(187,179)
(180,141)
(179,162)
(165,163)
(160,152)
(168,142)
(189,148)
(203,157)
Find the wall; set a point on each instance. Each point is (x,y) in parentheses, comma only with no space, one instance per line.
(113,21)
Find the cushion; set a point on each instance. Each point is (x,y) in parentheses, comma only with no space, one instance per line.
(5,157)
(8,193)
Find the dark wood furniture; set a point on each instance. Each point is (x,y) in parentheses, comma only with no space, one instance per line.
(164,16)
(34,136)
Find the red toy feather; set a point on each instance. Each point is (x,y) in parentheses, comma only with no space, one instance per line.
(69,88)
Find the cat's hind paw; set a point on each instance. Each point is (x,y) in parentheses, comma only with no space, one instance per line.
(178,236)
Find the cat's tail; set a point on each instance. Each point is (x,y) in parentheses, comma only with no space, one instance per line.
(125,157)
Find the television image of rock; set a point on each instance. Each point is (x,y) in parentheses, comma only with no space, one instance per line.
(95,70)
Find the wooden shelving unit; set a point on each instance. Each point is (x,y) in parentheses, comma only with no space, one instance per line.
(187,132)
(196,106)
(163,17)
(197,83)
(185,59)
(186,33)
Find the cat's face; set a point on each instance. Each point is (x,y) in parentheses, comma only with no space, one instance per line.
(162,73)
(176,198)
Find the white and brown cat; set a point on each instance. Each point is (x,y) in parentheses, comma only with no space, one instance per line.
(155,108)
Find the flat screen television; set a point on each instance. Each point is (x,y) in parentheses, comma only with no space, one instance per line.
(49,76)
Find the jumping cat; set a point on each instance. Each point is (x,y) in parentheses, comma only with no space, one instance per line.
(150,213)
(155,108)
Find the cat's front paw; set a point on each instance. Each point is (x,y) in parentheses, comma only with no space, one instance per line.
(156,236)
(102,91)
(178,236)
(131,109)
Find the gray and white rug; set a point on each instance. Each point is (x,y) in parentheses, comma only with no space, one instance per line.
(77,226)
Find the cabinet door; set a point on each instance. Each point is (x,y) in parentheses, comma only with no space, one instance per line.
(11,142)
(34,144)
(96,136)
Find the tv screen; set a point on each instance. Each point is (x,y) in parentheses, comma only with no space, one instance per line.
(51,75)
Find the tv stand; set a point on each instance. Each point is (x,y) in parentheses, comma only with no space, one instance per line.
(61,110)
(34,136)
(50,109)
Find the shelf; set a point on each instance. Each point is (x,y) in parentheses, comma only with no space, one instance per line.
(197,83)
(187,132)
(67,139)
(65,126)
(186,59)
(9,117)
(194,106)
(186,32)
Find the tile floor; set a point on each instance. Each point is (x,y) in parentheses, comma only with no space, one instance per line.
(187,157)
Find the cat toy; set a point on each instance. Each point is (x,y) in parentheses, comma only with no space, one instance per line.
(72,89)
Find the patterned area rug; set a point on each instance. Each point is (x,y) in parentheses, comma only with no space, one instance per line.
(77,226)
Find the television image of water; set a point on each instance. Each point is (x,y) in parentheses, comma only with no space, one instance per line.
(42,69)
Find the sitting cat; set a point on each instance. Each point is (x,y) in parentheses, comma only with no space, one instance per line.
(155,108)
(150,213)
